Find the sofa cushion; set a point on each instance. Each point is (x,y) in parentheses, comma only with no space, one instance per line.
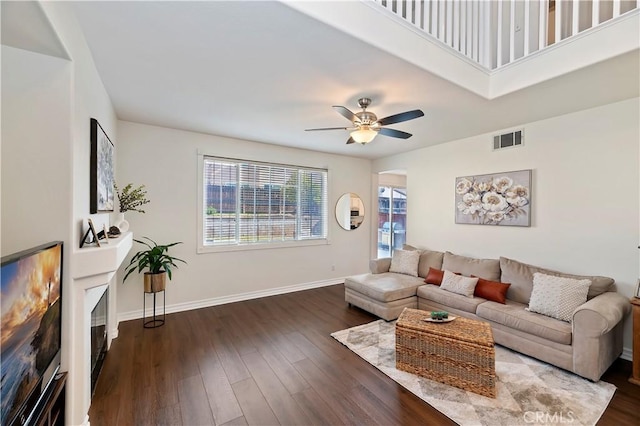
(491,290)
(436,294)
(405,262)
(458,284)
(557,297)
(513,315)
(520,275)
(385,287)
(434,276)
(428,259)
(489,269)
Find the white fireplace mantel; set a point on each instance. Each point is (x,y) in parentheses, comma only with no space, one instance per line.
(95,266)
(93,271)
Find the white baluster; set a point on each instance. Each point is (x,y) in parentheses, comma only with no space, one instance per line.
(512,31)
(449,28)
(487,35)
(469,28)
(434,18)
(463,27)
(476,31)
(558,21)
(456,26)
(441,20)
(595,13)
(527,26)
(616,8)
(575,17)
(409,8)
(499,36)
(419,13)
(543,22)
(426,8)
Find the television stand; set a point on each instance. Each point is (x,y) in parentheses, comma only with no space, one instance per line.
(52,413)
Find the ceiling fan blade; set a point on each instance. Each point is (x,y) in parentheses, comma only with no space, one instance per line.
(327,128)
(350,141)
(403,116)
(395,133)
(346,113)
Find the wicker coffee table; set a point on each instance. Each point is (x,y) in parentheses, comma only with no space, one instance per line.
(459,353)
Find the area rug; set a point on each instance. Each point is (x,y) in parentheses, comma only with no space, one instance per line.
(529,391)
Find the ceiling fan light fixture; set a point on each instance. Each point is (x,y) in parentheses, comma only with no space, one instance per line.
(363,135)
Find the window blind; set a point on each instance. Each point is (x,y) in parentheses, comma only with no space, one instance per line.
(253,203)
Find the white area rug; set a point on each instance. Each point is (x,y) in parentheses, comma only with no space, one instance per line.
(530,392)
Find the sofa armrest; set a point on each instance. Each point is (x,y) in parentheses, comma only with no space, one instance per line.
(599,315)
(378,266)
(597,334)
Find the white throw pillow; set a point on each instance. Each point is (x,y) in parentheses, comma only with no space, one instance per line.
(458,283)
(557,297)
(405,262)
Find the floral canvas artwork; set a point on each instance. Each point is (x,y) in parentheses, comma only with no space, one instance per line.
(496,199)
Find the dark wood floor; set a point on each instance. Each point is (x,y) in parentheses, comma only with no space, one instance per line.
(269,361)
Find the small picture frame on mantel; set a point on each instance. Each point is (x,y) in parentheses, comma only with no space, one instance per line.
(637,295)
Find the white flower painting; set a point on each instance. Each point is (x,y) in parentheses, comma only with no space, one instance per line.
(496,199)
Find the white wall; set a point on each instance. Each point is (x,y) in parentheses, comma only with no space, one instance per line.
(47,104)
(36,173)
(585,195)
(166,161)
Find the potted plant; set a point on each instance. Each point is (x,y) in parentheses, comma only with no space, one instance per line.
(158,262)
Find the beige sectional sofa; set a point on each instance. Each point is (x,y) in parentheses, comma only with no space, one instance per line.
(587,345)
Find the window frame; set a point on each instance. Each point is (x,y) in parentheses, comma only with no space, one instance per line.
(216,248)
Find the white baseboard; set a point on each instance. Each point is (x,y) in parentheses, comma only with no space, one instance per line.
(180,307)
(627,354)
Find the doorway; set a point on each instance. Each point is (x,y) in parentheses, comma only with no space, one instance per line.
(392,219)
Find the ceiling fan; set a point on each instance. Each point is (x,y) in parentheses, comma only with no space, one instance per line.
(366,125)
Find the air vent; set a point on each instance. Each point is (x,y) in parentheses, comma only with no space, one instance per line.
(508,140)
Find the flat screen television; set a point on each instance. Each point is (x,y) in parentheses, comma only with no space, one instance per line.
(30,329)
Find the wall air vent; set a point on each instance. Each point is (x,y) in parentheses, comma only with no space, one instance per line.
(508,140)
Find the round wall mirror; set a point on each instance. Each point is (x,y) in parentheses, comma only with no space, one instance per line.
(349,211)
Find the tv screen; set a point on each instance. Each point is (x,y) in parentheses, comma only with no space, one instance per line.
(30,325)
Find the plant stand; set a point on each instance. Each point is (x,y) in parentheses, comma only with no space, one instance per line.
(156,320)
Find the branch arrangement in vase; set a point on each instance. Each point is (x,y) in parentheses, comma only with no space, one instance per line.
(131,199)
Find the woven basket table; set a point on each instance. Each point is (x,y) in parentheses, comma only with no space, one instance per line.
(459,353)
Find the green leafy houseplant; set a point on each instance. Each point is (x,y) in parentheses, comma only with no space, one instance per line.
(131,199)
(158,262)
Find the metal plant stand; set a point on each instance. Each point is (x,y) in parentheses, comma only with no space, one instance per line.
(156,320)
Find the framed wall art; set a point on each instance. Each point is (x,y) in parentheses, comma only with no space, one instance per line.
(101,175)
(502,199)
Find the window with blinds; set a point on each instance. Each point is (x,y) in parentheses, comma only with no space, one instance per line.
(248,202)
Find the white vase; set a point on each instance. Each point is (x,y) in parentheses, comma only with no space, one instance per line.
(121,223)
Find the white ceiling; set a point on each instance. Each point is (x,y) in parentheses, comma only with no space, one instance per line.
(263,71)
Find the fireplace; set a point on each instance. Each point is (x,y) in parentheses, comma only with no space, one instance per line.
(99,326)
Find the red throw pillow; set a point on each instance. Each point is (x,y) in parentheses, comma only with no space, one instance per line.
(434,276)
(491,290)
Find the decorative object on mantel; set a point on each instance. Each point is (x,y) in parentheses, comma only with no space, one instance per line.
(94,240)
(130,199)
(101,175)
(494,199)
(114,232)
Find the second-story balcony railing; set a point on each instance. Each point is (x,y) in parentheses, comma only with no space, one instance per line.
(495,33)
